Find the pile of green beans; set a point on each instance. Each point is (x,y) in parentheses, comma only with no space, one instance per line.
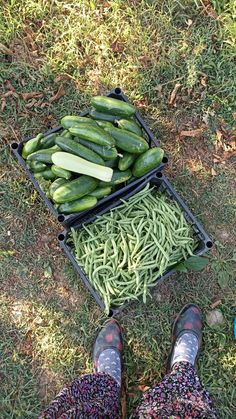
(125,251)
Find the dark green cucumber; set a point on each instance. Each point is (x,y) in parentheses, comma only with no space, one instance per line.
(149,160)
(36,166)
(104,124)
(105,152)
(101,192)
(44,156)
(117,178)
(31,146)
(46,174)
(72,120)
(48,141)
(55,185)
(126,161)
(75,189)
(78,149)
(79,205)
(65,133)
(112,163)
(95,134)
(128,141)
(130,126)
(113,106)
(103,116)
(62,173)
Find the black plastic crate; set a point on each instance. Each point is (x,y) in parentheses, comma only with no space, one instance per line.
(161,182)
(67,220)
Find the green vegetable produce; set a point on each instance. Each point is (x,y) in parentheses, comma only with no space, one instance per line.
(130,126)
(46,174)
(44,156)
(126,161)
(148,235)
(65,133)
(31,146)
(72,120)
(78,165)
(113,106)
(94,134)
(48,141)
(74,147)
(103,151)
(36,166)
(101,192)
(55,185)
(79,205)
(149,160)
(128,141)
(75,189)
(103,116)
(112,163)
(105,124)
(61,173)
(118,177)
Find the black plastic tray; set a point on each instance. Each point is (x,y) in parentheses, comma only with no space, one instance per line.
(67,220)
(161,182)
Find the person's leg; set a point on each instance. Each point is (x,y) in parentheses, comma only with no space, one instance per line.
(180,394)
(94,395)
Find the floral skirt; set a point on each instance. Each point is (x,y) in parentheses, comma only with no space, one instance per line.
(179,395)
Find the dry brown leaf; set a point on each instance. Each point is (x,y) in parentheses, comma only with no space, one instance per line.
(143,388)
(9,86)
(117,46)
(5,50)
(208,9)
(174,93)
(44,104)
(10,93)
(141,103)
(31,103)
(213,172)
(3,105)
(191,133)
(61,92)
(31,95)
(215,304)
(62,77)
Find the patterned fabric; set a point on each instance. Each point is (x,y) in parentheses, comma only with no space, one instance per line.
(179,396)
(110,363)
(185,349)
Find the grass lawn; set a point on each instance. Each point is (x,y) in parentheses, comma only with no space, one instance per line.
(175,60)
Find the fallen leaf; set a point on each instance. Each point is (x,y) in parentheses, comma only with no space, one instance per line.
(10,93)
(191,133)
(3,105)
(117,46)
(62,77)
(213,172)
(203,81)
(215,304)
(9,86)
(44,104)
(143,388)
(31,95)
(141,103)
(174,93)
(208,9)
(5,50)
(31,103)
(61,92)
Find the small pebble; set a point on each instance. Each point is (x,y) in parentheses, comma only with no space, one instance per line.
(215,318)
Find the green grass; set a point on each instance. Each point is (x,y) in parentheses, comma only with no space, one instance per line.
(48,319)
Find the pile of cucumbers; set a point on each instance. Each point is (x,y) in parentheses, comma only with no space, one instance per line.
(91,155)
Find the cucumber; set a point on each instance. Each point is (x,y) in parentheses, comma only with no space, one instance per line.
(105,152)
(112,163)
(113,106)
(44,156)
(61,173)
(117,178)
(126,161)
(75,189)
(66,134)
(129,126)
(36,166)
(72,120)
(46,174)
(105,124)
(79,205)
(103,116)
(149,160)
(74,147)
(55,185)
(128,141)
(31,146)
(101,192)
(48,141)
(95,134)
